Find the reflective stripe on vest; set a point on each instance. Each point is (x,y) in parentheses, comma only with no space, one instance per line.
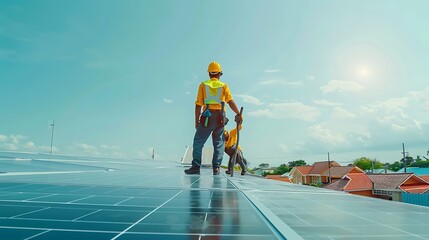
(213,87)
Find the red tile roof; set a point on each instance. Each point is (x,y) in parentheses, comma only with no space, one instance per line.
(415,188)
(407,182)
(389,181)
(340,171)
(304,170)
(321,167)
(358,181)
(352,182)
(278,178)
(338,185)
(426,178)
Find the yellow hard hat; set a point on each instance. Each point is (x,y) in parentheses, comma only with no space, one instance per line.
(214,67)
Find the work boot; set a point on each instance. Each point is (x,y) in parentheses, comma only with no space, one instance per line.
(193,170)
(216,171)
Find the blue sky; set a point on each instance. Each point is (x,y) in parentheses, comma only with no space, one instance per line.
(120,77)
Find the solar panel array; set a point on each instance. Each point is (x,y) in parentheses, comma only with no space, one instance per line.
(59,197)
(129,199)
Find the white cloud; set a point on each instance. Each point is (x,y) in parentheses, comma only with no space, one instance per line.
(392,113)
(84,146)
(339,112)
(16,138)
(167,100)
(418,124)
(29,145)
(279,82)
(325,135)
(422,98)
(107,147)
(271,70)
(260,113)
(3,138)
(341,86)
(249,99)
(394,105)
(91,150)
(15,143)
(288,110)
(11,142)
(10,147)
(397,127)
(324,102)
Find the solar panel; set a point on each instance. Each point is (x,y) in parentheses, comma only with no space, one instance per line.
(153,199)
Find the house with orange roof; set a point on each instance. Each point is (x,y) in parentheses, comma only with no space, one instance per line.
(320,172)
(425,177)
(319,168)
(386,186)
(299,175)
(337,172)
(354,183)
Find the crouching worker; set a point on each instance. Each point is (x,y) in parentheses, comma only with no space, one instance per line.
(230,146)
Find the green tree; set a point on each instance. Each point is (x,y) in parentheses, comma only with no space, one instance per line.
(281,169)
(395,166)
(365,163)
(421,164)
(418,159)
(297,163)
(408,160)
(264,165)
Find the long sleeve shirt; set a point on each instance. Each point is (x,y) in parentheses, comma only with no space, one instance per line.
(232,140)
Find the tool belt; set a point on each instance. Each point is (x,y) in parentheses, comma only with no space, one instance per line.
(213,115)
(216,115)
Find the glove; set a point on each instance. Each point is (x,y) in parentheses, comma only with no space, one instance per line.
(238,119)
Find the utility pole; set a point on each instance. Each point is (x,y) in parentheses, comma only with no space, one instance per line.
(404,159)
(52,136)
(329,169)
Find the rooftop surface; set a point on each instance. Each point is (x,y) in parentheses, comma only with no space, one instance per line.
(58,197)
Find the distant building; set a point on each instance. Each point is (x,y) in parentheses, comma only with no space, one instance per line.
(378,171)
(416,170)
(386,186)
(337,172)
(321,172)
(278,177)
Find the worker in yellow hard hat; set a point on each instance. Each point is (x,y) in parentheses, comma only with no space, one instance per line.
(230,148)
(211,98)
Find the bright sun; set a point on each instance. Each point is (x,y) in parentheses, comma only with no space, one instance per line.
(363,72)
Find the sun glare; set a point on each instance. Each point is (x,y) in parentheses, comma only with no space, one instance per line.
(363,73)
